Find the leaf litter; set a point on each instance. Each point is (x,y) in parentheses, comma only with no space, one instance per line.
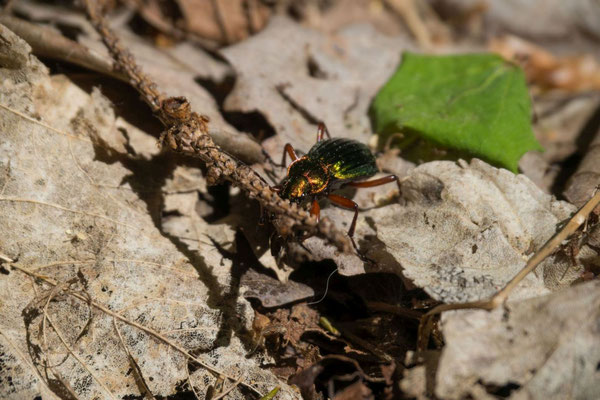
(60,186)
(546,347)
(103,226)
(297,77)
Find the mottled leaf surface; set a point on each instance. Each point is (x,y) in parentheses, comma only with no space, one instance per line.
(77,209)
(295,77)
(542,348)
(459,230)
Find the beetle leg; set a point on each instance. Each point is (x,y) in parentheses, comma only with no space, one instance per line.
(377,182)
(288,149)
(322,131)
(349,204)
(315,210)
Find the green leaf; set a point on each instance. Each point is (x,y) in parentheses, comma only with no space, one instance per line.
(473,105)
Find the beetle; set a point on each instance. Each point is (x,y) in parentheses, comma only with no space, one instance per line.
(329,165)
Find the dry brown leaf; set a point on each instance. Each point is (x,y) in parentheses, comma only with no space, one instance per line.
(77,210)
(296,77)
(460,231)
(49,42)
(543,69)
(542,348)
(338,14)
(272,292)
(175,69)
(181,203)
(561,121)
(225,21)
(582,185)
(357,390)
(540,19)
(466,229)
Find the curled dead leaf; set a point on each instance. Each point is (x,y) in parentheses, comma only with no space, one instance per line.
(542,348)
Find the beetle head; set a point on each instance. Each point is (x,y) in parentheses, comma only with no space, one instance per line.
(295,188)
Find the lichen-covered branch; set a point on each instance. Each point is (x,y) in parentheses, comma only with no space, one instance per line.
(187,132)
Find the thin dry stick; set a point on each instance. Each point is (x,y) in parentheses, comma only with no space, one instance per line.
(229,389)
(136,368)
(42,124)
(499,298)
(187,132)
(43,329)
(189,379)
(407,9)
(46,361)
(83,364)
(5,258)
(394,309)
(143,328)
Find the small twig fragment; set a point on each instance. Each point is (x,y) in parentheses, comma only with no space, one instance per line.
(499,298)
(228,390)
(139,377)
(407,9)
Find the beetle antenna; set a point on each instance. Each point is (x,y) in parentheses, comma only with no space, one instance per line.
(326,289)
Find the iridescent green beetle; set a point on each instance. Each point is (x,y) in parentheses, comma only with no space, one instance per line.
(329,165)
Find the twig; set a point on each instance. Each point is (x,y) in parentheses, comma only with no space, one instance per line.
(141,327)
(187,132)
(365,344)
(83,364)
(394,309)
(6,258)
(189,379)
(407,9)
(136,368)
(499,298)
(229,389)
